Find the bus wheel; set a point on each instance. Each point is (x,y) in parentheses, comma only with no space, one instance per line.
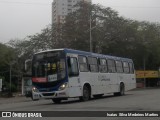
(122,89)
(56,101)
(86,94)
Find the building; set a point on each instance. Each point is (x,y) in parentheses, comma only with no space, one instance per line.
(61,8)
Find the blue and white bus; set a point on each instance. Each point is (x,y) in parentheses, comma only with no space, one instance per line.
(60,74)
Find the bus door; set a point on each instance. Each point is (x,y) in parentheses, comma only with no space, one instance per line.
(73,77)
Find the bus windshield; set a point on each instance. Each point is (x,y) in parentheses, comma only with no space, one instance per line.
(49,65)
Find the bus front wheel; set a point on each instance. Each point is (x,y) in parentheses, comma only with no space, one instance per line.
(86,94)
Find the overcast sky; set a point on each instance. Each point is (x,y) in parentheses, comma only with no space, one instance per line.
(20,18)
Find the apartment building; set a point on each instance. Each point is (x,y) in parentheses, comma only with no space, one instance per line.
(61,8)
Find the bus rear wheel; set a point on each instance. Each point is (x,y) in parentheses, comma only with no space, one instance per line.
(86,94)
(121,91)
(56,101)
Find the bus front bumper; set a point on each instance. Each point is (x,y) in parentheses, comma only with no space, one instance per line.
(49,95)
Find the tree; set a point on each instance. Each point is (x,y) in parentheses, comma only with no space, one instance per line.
(111,34)
(6,55)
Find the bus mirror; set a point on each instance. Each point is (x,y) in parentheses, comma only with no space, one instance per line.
(27,65)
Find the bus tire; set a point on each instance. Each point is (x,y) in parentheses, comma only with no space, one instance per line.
(121,90)
(56,100)
(86,93)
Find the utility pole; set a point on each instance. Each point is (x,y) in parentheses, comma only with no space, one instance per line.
(91,47)
(144,67)
(10,80)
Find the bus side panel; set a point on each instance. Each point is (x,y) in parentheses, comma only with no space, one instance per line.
(85,77)
(76,84)
(99,82)
(132,81)
(74,87)
(114,82)
(105,81)
(128,80)
(125,78)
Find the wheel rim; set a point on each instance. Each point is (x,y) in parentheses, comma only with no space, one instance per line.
(86,93)
(122,90)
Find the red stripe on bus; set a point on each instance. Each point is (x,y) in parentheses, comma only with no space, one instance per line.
(41,80)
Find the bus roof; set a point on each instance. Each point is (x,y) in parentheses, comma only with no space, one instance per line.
(79,52)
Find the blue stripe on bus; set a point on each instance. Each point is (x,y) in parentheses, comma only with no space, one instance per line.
(95,55)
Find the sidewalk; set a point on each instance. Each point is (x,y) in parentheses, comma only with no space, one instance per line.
(14,99)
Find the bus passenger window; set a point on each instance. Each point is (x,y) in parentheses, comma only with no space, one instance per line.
(72,67)
(131,68)
(126,67)
(119,67)
(54,66)
(83,66)
(93,64)
(102,66)
(111,66)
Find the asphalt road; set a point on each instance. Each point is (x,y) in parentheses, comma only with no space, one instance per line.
(136,100)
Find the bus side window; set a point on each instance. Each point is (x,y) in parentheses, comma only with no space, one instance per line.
(102,65)
(72,66)
(83,65)
(126,67)
(119,67)
(131,68)
(111,66)
(93,64)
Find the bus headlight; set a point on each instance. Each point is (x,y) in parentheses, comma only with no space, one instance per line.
(34,89)
(63,86)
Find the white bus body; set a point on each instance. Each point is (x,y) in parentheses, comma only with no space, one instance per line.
(92,75)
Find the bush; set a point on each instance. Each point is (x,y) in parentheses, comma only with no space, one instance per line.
(7,88)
